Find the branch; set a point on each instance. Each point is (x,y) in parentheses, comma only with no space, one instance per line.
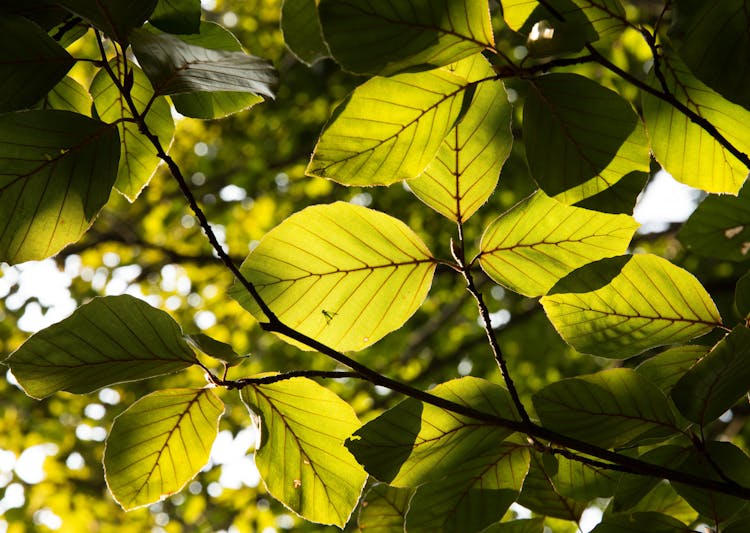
(267,380)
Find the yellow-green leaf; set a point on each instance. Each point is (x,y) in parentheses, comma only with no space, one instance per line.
(69,95)
(621,306)
(466,169)
(537,242)
(389,129)
(383,509)
(159,444)
(302,458)
(342,274)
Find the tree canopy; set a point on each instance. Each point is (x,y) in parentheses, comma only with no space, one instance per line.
(343,264)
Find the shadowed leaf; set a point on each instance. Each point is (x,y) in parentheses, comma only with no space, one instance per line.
(666,368)
(177,16)
(116,18)
(303,35)
(639,522)
(540,495)
(383,509)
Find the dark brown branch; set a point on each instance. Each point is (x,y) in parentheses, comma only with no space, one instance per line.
(267,380)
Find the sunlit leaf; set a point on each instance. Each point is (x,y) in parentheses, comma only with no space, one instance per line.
(413,442)
(108,340)
(159,444)
(605,15)
(300,26)
(473,497)
(720,227)
(580,481)
(640,522)
(385,37)
(540,495)
(686,150)
(138,159)
(31,63)
(302,458)
(68,95)
(216,349)
(717,381)
(340,273)
(666,368)
(177,16)
(540,240)
(57,169)
(383,509)
(610,409)
(467,166)
(581,138)
(530,525)
(624,305)
(389,129)
(116,18)
(175,67)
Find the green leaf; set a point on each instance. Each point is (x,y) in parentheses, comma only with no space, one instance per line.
(473,497)
(715,44)
(581,138)
(214,104)
(301,458)
(116,18)
(413,443)
(742,295)
(177,16)
(385,37)
(720,227)
(383,509)
(138,159)
(175,67)
(159,444)
(216,349)
(342,274)
(684,149)
(611,408)
(43,12)
(540,240)
(620,197)
(540,495)
(605,15)
(580,481)
(303,35)
(389,129)
(666,368)
(531,525)
(31,63)
(465,171)
(58,169)
(69,95)
(106,341)
(640,522)
(622,306)
(717,381)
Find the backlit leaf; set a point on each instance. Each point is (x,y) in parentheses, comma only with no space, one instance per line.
(640,522)
(413,442)
(467,166)
(717,381)
(540,495)
(622,306)
(540,240)
(389,129)
(116,18)
(605,15)
(57,169)
(108,340)
(69,95)
(177,16)
(581,138)
(303,35)
(530,525)
(385,37)
(620,197)
(383,509)
(138,159)
(580,481)
(610,409)
(302,458)
(687,151)
(340,273)
(159,444)
(31,63)
(666,368)
(216,349)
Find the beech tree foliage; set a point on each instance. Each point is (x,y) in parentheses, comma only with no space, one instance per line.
(433,304)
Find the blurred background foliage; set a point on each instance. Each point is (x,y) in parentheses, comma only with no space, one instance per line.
(248,173)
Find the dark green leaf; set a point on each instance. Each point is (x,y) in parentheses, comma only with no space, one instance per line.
(58,169)
(742,295)
(531,525)
(45,13)
(108,340)
(385,37)
(31,63)
(216,349)
(383,509)
(640,522)
(717,381)
(177,16)
(540,495)
(303,35)
(620,197)
(666,368)
(580,481)
(116,18)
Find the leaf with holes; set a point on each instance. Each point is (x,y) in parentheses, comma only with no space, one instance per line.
(383,508)
(415,442)
(302,458)
(159,444)
(342,274)
(116,18)
(537,242)
(138,159)
(389,129)
(300,25)
(31,63)
(581,138)
(106,341)
(58,169)
(465,171)
(624,305)
(686,150)
(610,409)
(385,37)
